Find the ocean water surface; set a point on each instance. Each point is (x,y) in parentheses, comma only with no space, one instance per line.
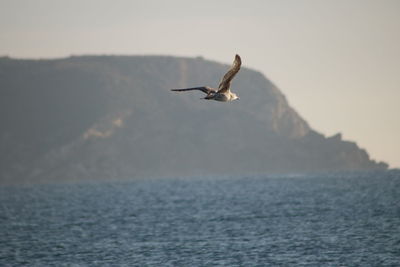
(305,220)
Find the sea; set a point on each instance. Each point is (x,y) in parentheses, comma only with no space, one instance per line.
(336,219)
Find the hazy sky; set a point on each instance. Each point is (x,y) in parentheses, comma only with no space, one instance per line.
(337,61)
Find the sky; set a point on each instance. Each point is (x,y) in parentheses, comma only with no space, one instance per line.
(336,61)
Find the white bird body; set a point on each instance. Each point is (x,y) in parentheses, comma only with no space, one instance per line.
(223,97)
(223,93)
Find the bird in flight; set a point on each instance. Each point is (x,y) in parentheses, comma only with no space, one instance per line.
(223,93)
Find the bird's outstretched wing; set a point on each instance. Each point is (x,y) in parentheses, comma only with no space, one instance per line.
(226,80)
(205,89)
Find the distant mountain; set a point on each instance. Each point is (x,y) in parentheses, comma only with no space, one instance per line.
(114,117)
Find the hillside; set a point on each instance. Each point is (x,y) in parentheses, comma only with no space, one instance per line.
(114,117)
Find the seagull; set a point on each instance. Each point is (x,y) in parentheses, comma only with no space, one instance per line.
(223,93)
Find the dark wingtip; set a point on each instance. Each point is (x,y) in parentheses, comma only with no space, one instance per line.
(237,57)
(238,60)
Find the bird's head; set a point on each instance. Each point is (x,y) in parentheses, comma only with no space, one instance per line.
(235,97)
